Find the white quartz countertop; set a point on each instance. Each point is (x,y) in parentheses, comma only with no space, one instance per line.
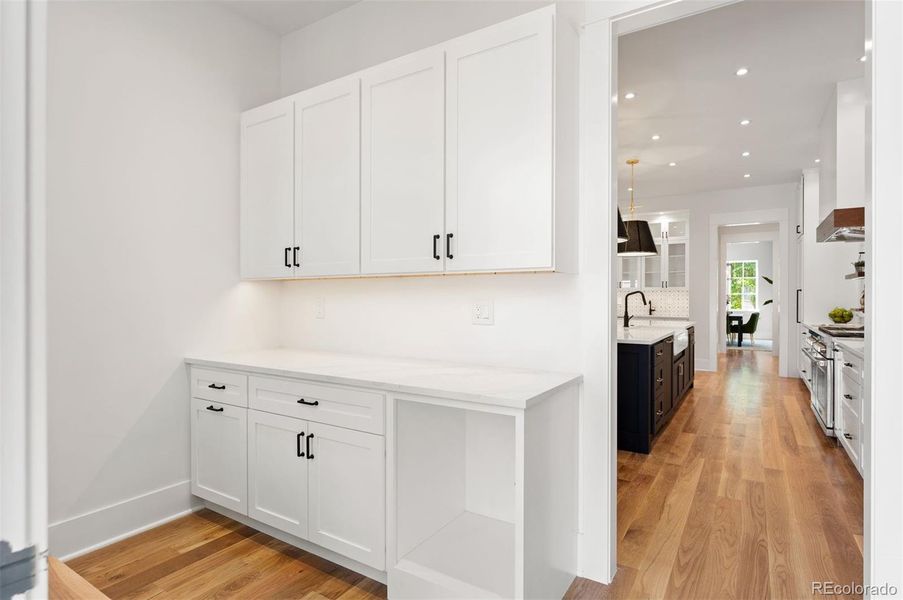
(854,345)
(644,331)
(512,388)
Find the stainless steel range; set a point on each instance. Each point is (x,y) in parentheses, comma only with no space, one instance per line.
(818,355)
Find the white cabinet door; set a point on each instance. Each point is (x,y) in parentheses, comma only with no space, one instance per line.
(266,191)
(348,493)
(403,165)
(499,147)
(219,437)
(327,171)
(277,471)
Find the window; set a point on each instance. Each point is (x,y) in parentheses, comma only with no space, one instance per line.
(743,284)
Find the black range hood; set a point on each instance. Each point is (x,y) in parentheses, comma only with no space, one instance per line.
(842,225)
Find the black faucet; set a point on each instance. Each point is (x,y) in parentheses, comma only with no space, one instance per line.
(627,316)
(651,310)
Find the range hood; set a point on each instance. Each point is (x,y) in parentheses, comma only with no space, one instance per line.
(842,225)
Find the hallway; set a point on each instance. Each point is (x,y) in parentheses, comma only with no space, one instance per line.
(741,497)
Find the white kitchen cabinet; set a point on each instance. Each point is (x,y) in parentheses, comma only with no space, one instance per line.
(327,171)
(670,267)
(267,199)
(499,203)
(347,493)
(403,165)
(219,453)
(277,471)
(850,426)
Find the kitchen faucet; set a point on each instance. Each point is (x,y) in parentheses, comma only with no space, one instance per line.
(627,316)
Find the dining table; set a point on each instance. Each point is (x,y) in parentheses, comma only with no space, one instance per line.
(738,319)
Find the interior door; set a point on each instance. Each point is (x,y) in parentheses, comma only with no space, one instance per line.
(277,471)
(219,454)
(403,165)
(347,493)
(499,148)
(327,172)
(267,202)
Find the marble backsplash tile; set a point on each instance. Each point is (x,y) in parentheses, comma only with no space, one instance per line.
(667,302)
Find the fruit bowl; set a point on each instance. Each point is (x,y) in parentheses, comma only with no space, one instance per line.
(841,315)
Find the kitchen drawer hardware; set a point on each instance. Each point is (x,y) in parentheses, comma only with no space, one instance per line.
(448,239)
(659,353)
(306,403)
(846,364)
(659,413)
(220,409)
(287,264)
(298,445)
(309,455)
(295,251)
(435,248)
(660,380)
(848,436)
(848,397)
(214,386)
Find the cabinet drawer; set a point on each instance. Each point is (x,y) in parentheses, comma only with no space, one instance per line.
(331,404)
(851,394)
(850,436)
(221,386)
(852,367)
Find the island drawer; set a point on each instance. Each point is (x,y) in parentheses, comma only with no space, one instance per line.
(342,406)
(220,386)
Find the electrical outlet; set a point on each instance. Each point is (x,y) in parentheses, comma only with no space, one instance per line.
(320,310)
(483,313)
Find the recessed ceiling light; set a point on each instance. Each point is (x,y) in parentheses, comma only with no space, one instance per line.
(630,189)
(672,164)
(745,154)
(629,95)
(744,122)
(746,176)
(863,58)
(656,137)
(817,160)
(742,71)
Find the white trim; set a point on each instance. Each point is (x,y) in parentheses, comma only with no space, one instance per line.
(86,532)
(706,364)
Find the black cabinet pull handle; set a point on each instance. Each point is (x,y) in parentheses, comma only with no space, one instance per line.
(448,239)
(220,409)
(846,364)
(660,380)
(306,403)
(848,436)
(214,386)
(435,246)
(287,264)
(848,397)
(798,291)
(659,413)
(295,256)
(309,455)
(298,445)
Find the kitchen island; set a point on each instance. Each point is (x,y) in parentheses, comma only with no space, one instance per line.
(656,363)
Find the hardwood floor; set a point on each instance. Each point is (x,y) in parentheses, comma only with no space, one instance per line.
(741,497)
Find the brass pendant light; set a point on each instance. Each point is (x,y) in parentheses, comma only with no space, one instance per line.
(639,237)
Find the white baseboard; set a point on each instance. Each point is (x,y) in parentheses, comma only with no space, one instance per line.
(704,364)
(98,528)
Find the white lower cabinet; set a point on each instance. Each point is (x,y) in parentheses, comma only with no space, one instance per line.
(278,471)
(219,453)
(348,493)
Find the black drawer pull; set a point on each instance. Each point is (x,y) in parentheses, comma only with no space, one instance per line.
(848,397)
(435,246)
(659,353)
(659,380)
(220,409)
(448,239)
(214,386)
(848,436)
(846,364)
(298,445)
(306,403)
(659,413)
(309,455)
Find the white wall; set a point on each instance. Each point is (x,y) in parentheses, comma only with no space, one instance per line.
(763,252)
(702,207)
(144,99)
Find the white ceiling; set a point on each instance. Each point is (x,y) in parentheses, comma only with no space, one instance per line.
(683,75)
(284,16)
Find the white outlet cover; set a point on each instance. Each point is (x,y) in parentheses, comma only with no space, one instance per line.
(483,313)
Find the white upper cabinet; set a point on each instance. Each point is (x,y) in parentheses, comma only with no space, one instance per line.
(499,147)
(267,235)
(403,164)
(327,171)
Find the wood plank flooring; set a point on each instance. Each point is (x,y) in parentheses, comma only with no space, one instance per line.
(741,497)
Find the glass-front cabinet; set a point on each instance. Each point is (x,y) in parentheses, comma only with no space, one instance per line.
(670,268)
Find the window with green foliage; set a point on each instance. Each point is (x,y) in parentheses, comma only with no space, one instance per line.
(743,285)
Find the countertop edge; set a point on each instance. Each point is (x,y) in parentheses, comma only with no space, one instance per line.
(519,402)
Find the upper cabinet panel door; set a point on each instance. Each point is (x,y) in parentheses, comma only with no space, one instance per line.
(402,165)
(499,128)
(327,175)
(266,191)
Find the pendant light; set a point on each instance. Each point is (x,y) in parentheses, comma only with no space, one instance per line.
(622,229)
(639,237)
